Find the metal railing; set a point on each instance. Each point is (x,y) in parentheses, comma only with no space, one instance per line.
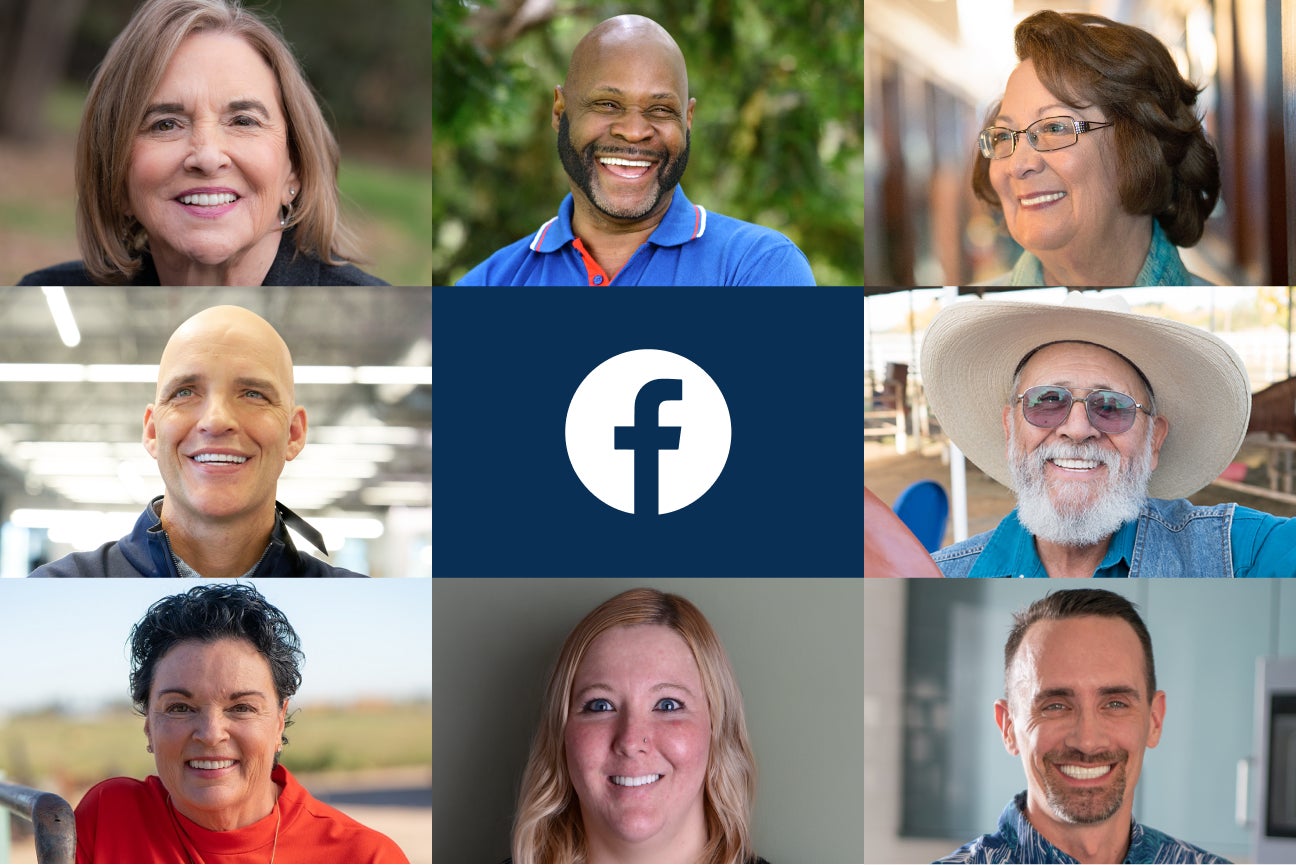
(50,815)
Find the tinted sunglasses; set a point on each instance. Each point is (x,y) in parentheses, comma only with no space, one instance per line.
(1049,405)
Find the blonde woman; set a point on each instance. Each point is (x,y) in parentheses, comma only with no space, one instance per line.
(642,751)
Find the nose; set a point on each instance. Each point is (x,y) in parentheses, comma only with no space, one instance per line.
(210,728)
(1025,159)
(1076,426)
(206,149)
(1087,733)
(217,416)
(633,735)
(632,126)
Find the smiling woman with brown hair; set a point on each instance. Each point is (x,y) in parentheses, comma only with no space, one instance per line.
(212,671)
(204,159)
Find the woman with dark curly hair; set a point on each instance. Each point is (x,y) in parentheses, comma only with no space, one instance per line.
(211,672)
(1097,156)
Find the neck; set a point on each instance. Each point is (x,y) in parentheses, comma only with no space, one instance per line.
(255,808)
(247,268)
(612,241)
(1114,259)
(227,548)
(1107,841)
(686,842)
(1066,561)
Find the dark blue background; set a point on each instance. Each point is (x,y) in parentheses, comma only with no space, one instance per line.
(506,501)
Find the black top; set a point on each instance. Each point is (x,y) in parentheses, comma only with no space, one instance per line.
(289,267)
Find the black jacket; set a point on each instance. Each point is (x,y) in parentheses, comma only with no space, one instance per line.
(146,552)
(289,268)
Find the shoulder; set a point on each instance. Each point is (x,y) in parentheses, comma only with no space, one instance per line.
(987,848)
(67,273)
(347,274)
(751,254)
(114,798)
(1153,845)
(957,559)
(503,265)
(107,561)
(322,827)
(309,566)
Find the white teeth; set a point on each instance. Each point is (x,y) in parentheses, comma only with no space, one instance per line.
(1084,773)
(1075,464)
(629,163)
(629,781)
(219,458)
(202,199)
(210,764)
(1043,199)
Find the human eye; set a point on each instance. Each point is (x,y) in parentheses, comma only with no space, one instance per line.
(246,121)
(164,125)
(598,704)
(254,394)
(1047,396)
(668,704)
(1055,126)
(663,111)
(181,392)
(178,709)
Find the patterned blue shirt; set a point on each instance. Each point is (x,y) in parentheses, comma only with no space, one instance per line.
(690,246)
(1163,266)
(1017,841)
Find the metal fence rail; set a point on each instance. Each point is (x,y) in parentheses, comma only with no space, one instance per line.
(50,815)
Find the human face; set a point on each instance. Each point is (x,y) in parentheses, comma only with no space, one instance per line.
(1064,201)
(1079,716)
(214,127)
(637,742)
(215,724)
(1077,464)
(223,422)
(627,103)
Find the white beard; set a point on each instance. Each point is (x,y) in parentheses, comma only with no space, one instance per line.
(1074,521)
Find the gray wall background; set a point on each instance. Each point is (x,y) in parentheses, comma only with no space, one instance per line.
(796,644)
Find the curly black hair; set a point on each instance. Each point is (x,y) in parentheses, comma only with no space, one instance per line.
(208,613)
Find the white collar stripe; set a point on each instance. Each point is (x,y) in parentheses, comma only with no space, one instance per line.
(539,236)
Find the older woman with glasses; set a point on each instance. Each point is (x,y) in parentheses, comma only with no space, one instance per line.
(1096,156)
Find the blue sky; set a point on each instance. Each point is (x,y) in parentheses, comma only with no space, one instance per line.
(65,640)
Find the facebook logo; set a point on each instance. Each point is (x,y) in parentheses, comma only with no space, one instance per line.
(674,446)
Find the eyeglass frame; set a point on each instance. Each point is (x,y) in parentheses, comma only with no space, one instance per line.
(1089,409)
(1079,127)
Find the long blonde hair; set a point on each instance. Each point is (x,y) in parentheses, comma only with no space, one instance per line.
(112,243)
(548,828)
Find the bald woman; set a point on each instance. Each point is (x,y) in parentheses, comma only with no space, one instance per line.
(222,424)
(623,117)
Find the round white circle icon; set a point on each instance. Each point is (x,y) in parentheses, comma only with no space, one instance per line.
(648,432)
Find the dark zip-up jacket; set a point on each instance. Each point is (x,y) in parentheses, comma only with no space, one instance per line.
(146,552)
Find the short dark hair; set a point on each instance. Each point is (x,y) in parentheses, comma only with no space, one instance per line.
(209,613)
(1165,166)
(1072,604)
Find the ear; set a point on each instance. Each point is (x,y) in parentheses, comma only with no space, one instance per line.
(296,433)
(1007,421)
(559,106)
(1003,719)
(1156,719)
(293,183)
(148,734)
(150,432)
(1160,429)
(688,114)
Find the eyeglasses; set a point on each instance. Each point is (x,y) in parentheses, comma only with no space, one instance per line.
(1050,133)
(1049,405)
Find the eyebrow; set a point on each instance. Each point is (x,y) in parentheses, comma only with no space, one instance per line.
(660,686)
(234,105)
(1106,691)
(237,695)
(185,379)
(616,91)
(1040,115)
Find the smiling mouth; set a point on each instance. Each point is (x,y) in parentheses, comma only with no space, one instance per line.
(208,765)
(228,459)
(1046,198)
(628,169)
(635,780)
(207,199)
(1084,773)
(1081,465)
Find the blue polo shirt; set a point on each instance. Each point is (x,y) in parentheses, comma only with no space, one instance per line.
(690,246)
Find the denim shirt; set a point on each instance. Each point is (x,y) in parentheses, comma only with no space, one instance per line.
(1161,267)
(1168,539)
(1018,841)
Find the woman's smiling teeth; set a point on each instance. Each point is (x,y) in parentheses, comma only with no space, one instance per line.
(634,781)
(1042,199)
(219,458)
(210,764)
(203,199)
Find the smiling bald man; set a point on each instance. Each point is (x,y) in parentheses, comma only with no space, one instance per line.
(623,118)
(223,423)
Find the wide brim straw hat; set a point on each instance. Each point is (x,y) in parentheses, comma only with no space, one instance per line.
(972,348)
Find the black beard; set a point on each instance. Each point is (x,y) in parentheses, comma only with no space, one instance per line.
(580,168)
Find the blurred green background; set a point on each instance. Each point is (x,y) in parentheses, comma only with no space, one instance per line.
(777,132)
(369,63)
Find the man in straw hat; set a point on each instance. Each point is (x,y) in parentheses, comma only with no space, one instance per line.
(1099,491)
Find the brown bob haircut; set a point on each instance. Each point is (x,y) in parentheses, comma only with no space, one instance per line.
(112,243)
(548,825)
(1165,166)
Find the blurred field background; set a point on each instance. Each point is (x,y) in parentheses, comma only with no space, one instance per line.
(369,62)
(777,133)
